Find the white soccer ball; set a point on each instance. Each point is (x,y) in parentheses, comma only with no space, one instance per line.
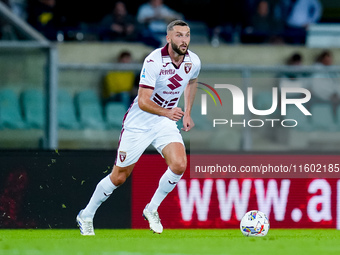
(254,223)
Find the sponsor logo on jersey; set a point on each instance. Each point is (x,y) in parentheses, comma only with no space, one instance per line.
(167,72)
(143,74)
(165,65)
(150,60)
(175,82)
(122,156)
(187,67)
(170,92)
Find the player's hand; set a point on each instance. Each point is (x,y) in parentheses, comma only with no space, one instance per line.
(175,114)
(188,123)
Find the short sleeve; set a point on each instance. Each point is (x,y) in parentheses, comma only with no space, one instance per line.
(197,68)
(149,73)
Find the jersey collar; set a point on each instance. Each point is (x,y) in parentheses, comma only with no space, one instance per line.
(166,57)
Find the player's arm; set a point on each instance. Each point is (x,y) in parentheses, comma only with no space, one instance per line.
(146,104)
(189,97)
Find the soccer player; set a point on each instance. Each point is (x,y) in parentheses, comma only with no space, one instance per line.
(167,72)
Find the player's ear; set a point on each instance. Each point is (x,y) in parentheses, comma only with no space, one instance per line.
(168,39)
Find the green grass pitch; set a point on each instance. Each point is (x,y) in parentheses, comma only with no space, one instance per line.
(170,242)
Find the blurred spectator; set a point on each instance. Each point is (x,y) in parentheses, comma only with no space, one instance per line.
(295,59)
(49,18)
(325,85)
(120,85)
(301,14)
(7,31)
(279,10)
(19,8)
(118,25)
(261,23)
(125,57)
(324,58)
(293,79)
(42,16)
(262,27)
(154,17)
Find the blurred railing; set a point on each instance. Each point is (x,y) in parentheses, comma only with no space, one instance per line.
(35,40)
(246,74)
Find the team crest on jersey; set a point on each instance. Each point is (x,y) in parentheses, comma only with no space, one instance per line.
(122,156)
(187,67)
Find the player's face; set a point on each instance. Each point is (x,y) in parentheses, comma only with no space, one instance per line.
(179,39)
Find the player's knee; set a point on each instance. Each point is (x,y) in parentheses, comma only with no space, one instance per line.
(179,167)
(119,179)
(120,174)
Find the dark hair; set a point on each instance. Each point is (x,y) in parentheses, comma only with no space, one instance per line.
(322,55)
(124,54)
(177,22)
(296,57)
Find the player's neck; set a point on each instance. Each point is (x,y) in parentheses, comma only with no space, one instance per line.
(176,58)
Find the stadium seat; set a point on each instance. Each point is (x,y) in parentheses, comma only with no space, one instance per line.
(66,111)
(114,113)
(90,110)
(10,112)
(322,117)
(33,102)
(303,121)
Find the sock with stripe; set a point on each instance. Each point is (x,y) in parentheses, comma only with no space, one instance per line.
(166,184)
(102,192)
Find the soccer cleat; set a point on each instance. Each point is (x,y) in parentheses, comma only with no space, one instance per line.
(85,225)
(154,221)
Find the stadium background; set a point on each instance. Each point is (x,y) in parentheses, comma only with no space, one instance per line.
(44,188)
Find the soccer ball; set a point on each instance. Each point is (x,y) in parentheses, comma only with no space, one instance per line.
(254,223)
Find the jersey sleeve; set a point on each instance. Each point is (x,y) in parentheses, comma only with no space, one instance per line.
(197,68)
(149,73)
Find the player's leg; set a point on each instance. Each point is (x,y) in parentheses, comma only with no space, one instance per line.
(105,188)
(130,148)
(170,144)
(176,159)
(102,192)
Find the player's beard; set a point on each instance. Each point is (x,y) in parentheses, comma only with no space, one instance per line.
(177,49)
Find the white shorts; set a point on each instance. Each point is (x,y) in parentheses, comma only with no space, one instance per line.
(132,144)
